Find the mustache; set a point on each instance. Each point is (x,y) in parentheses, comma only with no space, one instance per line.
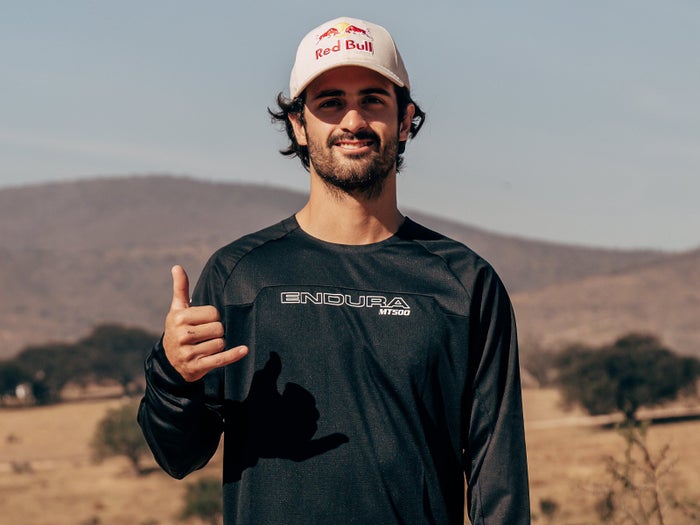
(360,135)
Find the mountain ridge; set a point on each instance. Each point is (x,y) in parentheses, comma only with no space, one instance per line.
(99,250)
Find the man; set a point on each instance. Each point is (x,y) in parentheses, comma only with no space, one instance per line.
(358,364)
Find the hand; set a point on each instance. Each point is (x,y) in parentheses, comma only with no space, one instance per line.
(194,335)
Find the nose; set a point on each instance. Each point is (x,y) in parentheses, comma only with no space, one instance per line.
(353,120)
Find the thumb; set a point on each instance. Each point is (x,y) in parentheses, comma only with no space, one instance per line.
(181,288)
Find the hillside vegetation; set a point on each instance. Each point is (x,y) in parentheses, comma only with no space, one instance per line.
(78,254)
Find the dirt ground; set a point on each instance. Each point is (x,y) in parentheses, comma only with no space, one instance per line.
(47,476)
(566,451)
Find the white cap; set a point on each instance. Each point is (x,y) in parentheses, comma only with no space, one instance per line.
(346,42)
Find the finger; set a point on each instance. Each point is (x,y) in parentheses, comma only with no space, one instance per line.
(194,315)
(221,359)
(199,332)
(181,288)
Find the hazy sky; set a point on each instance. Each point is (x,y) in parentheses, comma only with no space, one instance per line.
(571,121)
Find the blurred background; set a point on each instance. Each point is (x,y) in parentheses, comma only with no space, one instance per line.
(569,121)
(561,144)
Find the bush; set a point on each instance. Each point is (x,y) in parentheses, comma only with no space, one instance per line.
(110,352)
(636,490)
(204,500)
(118,434)
(11,376)
(635,371)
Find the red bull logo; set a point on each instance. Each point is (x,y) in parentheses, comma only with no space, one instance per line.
(347,37)
(333,31)
(343,29)
(354,30)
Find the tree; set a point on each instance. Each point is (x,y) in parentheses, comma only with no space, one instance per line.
(109,352)
(538,361)
(118,434)
(51,367)
(11,375)
(203,500)
(635,371)
(117,352)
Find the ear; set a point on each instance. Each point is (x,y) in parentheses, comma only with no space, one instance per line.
(299,129)
(405,124)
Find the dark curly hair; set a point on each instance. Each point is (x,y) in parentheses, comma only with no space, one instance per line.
(296,106)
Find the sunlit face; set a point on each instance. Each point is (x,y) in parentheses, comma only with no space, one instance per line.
(351,129)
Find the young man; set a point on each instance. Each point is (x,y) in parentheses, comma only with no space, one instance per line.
(358,364)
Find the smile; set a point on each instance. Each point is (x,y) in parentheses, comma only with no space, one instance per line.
(354,144)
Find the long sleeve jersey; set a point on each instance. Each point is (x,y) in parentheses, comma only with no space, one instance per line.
(379,379)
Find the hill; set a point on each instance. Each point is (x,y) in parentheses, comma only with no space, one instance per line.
(80,253)
(661,298)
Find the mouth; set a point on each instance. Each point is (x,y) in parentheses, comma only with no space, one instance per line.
(354,146)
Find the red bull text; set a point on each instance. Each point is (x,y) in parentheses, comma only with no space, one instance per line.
(349,37)
(345,45)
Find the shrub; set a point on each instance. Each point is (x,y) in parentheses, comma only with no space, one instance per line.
(118,434)
(204,500)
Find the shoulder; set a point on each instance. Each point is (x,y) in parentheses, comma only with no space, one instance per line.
(224,261)
(231,254)
(464,262)
(489,301)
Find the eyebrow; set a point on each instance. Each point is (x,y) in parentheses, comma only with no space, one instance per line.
(339,92)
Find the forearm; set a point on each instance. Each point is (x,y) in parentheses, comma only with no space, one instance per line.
(497,468)
(496,462)
(180,425)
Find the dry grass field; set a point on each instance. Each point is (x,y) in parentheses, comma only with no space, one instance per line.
(566,460)
(46,476)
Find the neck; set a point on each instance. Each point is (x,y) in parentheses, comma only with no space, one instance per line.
(354,219)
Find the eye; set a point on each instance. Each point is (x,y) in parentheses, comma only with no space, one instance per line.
(330,103)
(372,99)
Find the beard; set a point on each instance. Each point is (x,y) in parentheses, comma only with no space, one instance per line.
(361,175)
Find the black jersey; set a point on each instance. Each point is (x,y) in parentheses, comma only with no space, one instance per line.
(378,377)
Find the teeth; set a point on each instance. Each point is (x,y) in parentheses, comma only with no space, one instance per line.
(353,145)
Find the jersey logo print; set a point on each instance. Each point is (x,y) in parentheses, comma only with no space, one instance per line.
(384,305)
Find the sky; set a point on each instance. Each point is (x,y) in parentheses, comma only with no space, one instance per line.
(574,122)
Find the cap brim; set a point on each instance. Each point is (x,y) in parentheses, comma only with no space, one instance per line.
(381,70)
